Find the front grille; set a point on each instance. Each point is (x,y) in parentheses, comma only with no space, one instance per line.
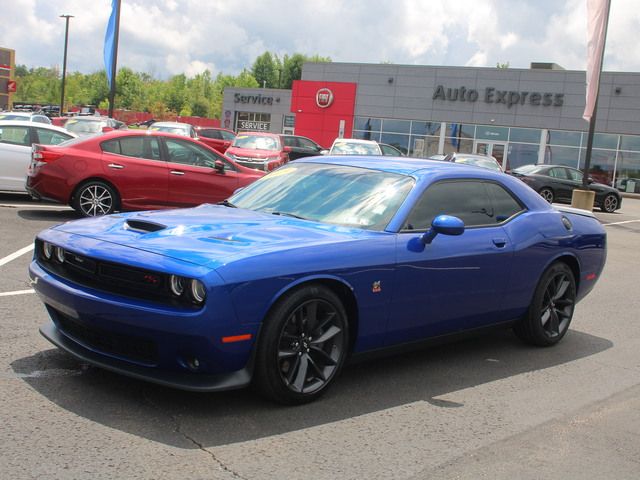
(131,347)
(112,277)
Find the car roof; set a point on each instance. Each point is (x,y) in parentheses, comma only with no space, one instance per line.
(355,140)
(171,124)
(47,126)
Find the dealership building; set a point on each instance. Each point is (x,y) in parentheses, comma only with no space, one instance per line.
(520,116)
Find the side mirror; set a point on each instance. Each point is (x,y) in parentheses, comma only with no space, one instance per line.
(324,152)
(444,224)
(107,129)
(219,166)
(287,149)
(590,180)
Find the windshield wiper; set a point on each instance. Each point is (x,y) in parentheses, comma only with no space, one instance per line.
(226,203)
(287,214)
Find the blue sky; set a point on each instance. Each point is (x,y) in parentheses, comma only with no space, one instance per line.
(166,37)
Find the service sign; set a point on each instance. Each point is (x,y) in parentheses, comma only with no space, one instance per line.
(324,98)
(255,126)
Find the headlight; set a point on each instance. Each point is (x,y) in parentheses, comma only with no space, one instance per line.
(47,250)
(176,284)
(198,291)
(60,254)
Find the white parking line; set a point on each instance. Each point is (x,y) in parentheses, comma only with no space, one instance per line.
(28,205)
(15,255)
(622,223)
(17,292)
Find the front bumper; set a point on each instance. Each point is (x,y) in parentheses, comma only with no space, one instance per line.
(157,343)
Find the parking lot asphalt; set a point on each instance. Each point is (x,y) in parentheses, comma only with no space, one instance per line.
(487,407)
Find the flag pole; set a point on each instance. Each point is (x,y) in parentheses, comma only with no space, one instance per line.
(592,119)
(114,62)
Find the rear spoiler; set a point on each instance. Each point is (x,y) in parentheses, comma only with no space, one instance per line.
(576,211)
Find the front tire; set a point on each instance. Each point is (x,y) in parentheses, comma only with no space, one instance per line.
(302,346)
(549,315)
(609,203)
(95,198)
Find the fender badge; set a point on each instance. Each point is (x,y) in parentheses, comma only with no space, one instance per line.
(376,287)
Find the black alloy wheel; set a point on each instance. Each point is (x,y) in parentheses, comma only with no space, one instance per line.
(547,194)
(610,203)
(549,315)
(303,346)
(95,198)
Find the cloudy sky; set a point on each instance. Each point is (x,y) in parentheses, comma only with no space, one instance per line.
(166,37)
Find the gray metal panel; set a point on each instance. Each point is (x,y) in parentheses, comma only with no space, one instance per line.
(373,100)
(412,102)
(383,90)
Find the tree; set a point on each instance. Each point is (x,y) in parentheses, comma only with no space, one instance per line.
(502,65)
(266,70)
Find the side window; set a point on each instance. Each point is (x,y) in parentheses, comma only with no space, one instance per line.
(467,200)
(308,144)
(558,173)
(111,146)
(50,137)
(227,135)
(573,175)
(188,153)
(15,135)
(211,134)
(504,205)
(137,147)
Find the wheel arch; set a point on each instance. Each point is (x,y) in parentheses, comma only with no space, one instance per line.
(339,287)
(572,262)
(82,183)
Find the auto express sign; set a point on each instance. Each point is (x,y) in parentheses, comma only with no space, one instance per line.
(509,98)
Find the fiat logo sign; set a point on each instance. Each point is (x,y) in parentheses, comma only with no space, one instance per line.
(324,97)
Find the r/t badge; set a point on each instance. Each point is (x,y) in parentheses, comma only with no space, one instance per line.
(376,287)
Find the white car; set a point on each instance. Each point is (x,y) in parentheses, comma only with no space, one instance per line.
(177,128)
(25,117)
(354,146)
(16,138)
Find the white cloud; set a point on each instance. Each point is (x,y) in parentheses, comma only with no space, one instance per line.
(166,37)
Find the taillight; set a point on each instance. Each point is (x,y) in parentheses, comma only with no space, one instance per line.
(41,154)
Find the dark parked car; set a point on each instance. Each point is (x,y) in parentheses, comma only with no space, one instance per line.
(556,183)
(219,139)
(324,259)
(301,147)
(133,170)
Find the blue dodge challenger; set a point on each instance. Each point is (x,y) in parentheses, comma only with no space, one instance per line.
(323,259)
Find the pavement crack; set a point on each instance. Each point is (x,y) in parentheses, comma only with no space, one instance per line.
(177,428)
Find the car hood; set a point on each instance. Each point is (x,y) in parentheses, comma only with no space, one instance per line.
(209,235)
(253,153)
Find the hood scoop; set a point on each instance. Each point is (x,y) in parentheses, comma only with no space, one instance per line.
(143,226)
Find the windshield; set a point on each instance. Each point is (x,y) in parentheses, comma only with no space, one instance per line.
(84,126)
(353,148)
(336,194)
(256,142)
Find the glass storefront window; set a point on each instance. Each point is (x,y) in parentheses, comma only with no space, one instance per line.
(366,135)
(401,142)
(526,135)
(367,124)
(520,154)
(398,126)
(630,142)
(628,174)
(562,156)
(560,137)
(423,147)
(489,132)
(253,121)
(601,165)
(603,140)
(425,128)
(460,145)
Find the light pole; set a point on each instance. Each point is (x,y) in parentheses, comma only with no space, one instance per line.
(64,61)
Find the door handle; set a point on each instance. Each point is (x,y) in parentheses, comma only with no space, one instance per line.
(176,172)
(116,166)
(500,242)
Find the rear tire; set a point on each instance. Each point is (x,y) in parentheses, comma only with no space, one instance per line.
(302,347)
(547,194)
(95,198)
(609,203)
(549,315)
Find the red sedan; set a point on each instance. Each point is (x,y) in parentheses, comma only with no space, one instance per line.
(259,150)
(133,170)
